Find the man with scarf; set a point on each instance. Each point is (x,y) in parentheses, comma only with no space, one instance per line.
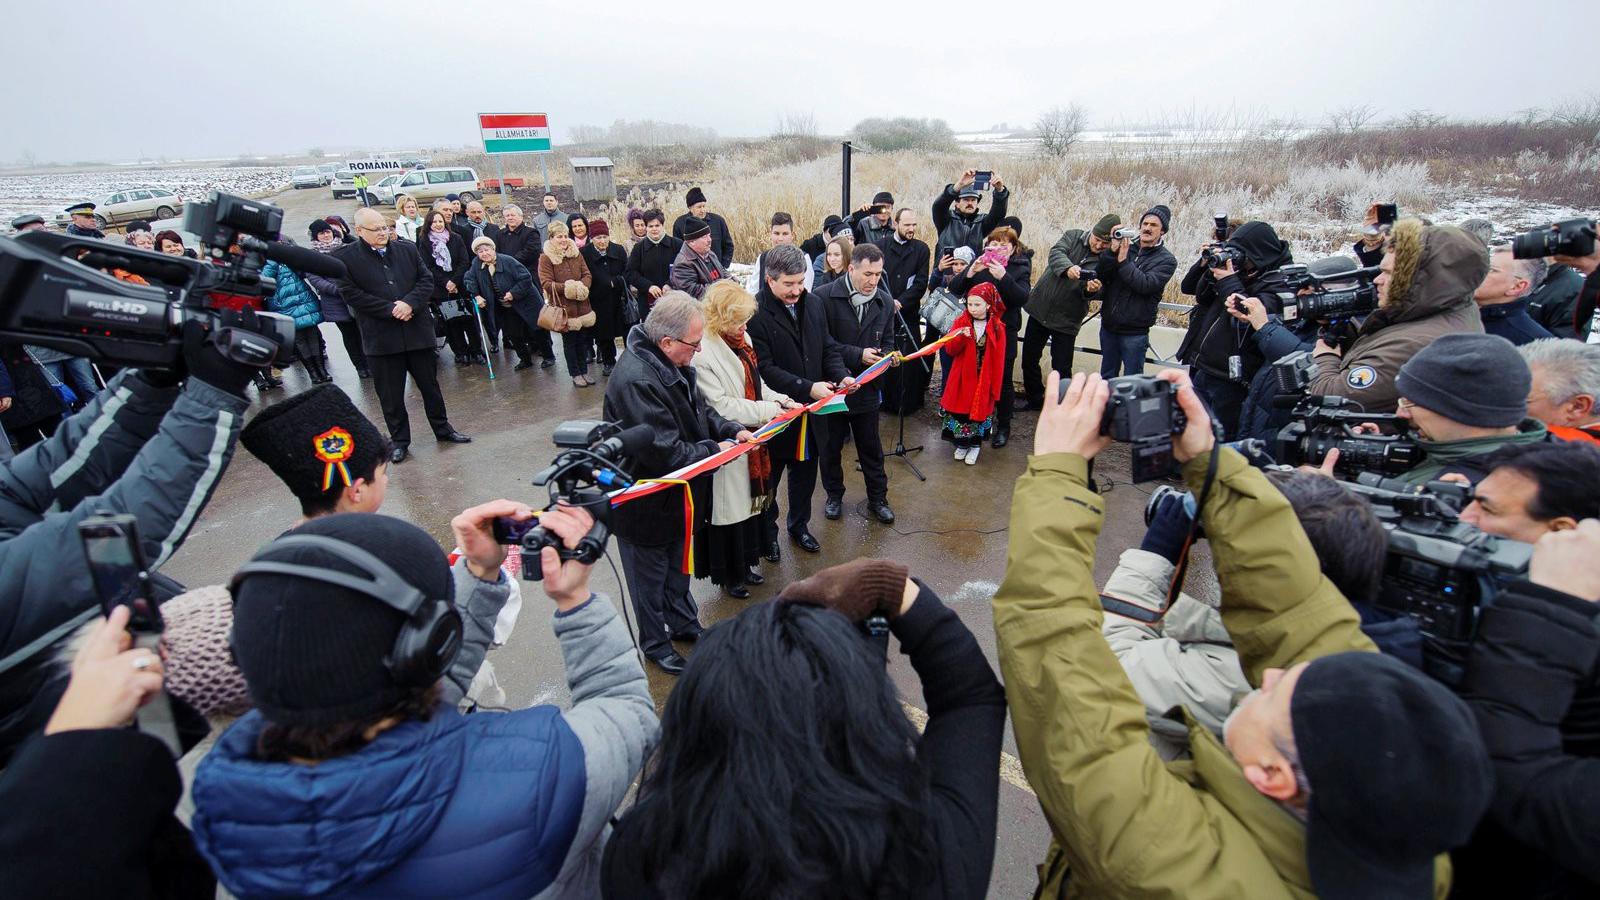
(1226,358)
(860,315)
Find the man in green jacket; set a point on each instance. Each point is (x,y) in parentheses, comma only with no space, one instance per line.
(1059,302)
(1465,395)
(1346,774)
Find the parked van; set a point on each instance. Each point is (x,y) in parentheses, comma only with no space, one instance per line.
(428,185)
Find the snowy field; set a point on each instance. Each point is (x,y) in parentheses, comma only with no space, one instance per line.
(49,194)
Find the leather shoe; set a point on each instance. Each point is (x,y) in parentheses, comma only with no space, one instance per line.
(1023,404)
(882,511)
(399,455)
(671,663)
(523,366)
(1002,436)
(738,592)
(547,363)
(755,578)
(454,437)
(773,554)
(688,638)
(806,541)
(834,508)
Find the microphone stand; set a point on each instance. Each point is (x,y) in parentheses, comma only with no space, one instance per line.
(900,450)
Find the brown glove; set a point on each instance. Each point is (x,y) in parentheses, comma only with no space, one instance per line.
(856,589)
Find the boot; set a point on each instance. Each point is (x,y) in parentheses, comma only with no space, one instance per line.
(319,374)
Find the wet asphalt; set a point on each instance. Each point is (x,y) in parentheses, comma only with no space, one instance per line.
(951,530)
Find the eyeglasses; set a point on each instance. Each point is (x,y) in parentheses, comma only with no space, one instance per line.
(376,228)
(695,345)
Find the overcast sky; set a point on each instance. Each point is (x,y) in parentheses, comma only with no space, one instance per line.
(115,81)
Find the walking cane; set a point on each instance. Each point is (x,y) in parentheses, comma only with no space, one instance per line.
(483,337)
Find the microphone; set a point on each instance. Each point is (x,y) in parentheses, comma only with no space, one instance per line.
(303,260)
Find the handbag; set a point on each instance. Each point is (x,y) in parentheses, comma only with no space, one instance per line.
(630,307)
(941,308)
(455,308)
(553,318)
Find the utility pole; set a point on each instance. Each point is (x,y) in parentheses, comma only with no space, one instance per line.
(844,186)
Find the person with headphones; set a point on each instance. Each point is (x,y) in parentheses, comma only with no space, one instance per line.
(350,777)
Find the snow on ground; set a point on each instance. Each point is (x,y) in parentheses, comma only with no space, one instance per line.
(48,194)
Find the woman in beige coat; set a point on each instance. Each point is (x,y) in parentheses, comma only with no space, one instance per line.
(564,278)
(731,547)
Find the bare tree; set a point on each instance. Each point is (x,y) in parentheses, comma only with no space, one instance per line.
(1059,128)
(1422,118)
(1353,118)
(796,124)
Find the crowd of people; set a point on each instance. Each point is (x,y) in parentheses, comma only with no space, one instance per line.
(1295,735)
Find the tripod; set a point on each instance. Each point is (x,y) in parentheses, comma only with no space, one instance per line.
(900,449)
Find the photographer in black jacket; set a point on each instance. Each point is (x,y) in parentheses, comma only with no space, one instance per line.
(1225,356)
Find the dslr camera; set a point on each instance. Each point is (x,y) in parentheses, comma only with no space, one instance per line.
(1220,256)
(1324,423)
(1572,237)
(1355,294)
(1143,411)
(56,290)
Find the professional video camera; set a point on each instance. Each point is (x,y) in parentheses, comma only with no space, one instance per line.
(1328,304)
(1572,237)
(1439,571)
(1325,423)
(56,290)
(589,462)
(1143,411)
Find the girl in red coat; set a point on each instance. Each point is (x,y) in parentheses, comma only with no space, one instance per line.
(977,370)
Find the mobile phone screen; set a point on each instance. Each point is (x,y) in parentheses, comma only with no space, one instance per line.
(508,531)
(119,576)
(981,179)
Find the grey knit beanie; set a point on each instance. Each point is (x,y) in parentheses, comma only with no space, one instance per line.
(1475,379)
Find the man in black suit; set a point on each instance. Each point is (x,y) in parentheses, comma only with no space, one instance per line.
(860,315)
(796,357)
(387,288)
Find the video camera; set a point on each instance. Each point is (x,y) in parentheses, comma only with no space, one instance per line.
(1143,411)
(1325,303)
(1326,423)
(56,290)
(589,462)
(1572,237)
(1126,233)
(1439,571)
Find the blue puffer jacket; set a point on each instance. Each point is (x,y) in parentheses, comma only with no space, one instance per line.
(484,805)
(294,298)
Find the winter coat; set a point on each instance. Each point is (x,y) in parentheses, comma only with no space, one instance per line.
(99,820)
(510,276)
(373,283)
(793,353)
(874,329)
(867,230)
(608,289)
(650,265)
(1512,322)
(1535,649)
(1132,293)
(721,239)
(486,805)
(1124,822)
(406,229)
(293,297)
(959,749)
(460,259)
(330,301)
(522,244)
(1014,288)
(969,389)
(647,389)
(1446,265)
(1554,305)
(960,230)
(721,383)
(542,219)
(556,270)
(693,273)
(905,271)
(1224,336)
(1259,417)
(1458,457)
(1057,302)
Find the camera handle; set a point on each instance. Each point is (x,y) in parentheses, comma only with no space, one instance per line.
(588,552)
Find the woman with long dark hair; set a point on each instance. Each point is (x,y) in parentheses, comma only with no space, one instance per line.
(787,766)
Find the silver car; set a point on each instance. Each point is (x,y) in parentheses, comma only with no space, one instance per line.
(146,203)
(307,177)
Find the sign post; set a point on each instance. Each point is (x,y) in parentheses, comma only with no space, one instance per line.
(515,133)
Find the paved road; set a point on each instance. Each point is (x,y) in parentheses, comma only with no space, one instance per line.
(950,530)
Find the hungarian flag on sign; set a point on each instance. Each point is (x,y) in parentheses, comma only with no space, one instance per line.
(514,132)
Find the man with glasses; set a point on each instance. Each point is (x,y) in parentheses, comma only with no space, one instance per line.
(387,288)
(654,384)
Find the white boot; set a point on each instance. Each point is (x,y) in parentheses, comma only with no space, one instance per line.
(961,453)
(972,456)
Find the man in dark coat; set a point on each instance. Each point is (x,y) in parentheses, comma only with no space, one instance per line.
(650,263)
(1554,303)
(721,240)
(1134,278)
(655,384)
(797,357)
(1502,298)
(522,242)
(1226,358)
(1058,303)
(905,269)
(696,266)
(387,287)
(957,221)
(817,244)
(860,316)
(872,223)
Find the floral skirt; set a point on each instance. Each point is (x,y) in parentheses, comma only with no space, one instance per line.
(959,428)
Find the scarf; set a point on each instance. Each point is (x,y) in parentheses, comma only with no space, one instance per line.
(441,247)
(327,246)
(760,459)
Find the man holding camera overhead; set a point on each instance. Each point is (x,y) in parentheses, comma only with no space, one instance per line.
(1135,277)
(956,219)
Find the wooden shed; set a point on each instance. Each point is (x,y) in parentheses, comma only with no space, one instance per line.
(592,179)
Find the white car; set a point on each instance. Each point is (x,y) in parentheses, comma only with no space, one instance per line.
(425,185)
(383,191)
(146,203)
(307,177)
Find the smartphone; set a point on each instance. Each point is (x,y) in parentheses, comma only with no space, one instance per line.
(1388,213)
(981,180)
(111,545)
(508,532)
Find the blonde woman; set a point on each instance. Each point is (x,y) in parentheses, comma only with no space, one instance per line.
(565,281)
(409,220)
(742,488)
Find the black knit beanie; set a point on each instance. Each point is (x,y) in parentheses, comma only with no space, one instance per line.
(695,227)
(1013,223)
(313,653)
(315,440)
(1475,379)
(828,222)
(694,196)
(1161,212)
(318,226)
